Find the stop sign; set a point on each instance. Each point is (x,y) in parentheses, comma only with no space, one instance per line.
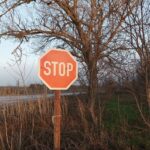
(58,69)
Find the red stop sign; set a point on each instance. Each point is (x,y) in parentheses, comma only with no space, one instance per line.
(58,69)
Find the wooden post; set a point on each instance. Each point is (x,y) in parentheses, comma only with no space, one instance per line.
(57,119)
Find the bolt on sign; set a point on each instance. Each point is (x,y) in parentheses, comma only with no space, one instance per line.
(58,70)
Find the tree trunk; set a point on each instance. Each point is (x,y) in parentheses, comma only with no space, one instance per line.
(148,96)
(92,89)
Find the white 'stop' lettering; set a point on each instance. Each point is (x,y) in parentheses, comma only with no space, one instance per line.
(64,69)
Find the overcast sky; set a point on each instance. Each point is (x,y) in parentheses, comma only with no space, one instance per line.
(10,73)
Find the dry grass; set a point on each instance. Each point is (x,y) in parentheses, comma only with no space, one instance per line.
(28,126)
(24,125)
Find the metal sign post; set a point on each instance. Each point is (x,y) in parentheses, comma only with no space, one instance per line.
(57,119)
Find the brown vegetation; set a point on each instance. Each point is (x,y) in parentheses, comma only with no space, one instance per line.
(29,125)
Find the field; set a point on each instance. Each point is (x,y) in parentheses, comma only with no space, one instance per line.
(117,126)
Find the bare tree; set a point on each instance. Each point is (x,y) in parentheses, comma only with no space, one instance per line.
(138,31)
(89,28)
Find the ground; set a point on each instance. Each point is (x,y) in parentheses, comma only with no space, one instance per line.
(119,126)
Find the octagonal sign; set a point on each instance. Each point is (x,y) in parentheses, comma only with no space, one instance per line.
(58,69)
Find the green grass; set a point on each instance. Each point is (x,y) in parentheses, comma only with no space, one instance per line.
(122,118)
(117,113)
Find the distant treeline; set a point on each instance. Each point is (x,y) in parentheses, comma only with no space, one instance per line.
(32,89)
(15,90)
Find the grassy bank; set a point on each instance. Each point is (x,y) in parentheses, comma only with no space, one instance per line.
(118,125)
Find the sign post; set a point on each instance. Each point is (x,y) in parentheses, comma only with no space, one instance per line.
(57,119)
(58,70)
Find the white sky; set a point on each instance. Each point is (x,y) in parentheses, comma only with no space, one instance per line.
(9,73)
